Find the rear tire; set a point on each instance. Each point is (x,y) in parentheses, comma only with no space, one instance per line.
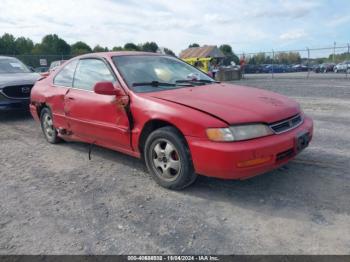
(168,158)
(47,127)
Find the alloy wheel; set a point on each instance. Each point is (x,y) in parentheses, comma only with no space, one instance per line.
(166,160)
(48,126)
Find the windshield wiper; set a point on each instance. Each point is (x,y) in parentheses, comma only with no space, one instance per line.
(157,84)
(200,81)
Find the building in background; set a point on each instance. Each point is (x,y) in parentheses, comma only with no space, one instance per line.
(201,57)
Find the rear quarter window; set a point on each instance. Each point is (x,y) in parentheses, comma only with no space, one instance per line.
(66,75)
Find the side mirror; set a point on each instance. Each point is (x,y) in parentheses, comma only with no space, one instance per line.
(106,88)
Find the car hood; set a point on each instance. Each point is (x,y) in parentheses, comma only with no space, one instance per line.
(232,103)
(18,79)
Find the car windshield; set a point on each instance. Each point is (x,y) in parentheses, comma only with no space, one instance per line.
(145,73)
(12,65)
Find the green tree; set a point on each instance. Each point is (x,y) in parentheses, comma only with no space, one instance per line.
(230,56)
(23,45)
(149,47)
(339,57)
(169,52)
(7,44)
(117,48)
(193,45)
(99,48)
(288,58)
(260,58)
(131,47)
(52,45)
(80,48)
(226,50)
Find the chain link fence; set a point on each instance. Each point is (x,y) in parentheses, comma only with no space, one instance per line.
(328,62)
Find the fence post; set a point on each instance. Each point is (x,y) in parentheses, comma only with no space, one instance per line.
(273,61)
(348,57)
(308,62)
(243,66)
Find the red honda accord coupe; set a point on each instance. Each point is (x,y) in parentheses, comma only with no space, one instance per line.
(175,117)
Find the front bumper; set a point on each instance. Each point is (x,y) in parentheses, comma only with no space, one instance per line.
(13,104)
(222,160)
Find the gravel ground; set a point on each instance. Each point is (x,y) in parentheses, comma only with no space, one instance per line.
(53,200)
(299,75)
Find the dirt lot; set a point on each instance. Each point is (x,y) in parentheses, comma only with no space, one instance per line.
(53,200)
(299,75)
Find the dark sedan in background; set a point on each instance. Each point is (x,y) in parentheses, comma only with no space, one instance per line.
(16,82)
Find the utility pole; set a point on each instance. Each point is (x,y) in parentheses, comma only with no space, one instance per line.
(273,61)
(347,65)
(334,51)
(308,62)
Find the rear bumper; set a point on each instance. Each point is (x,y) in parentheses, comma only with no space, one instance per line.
(222,159)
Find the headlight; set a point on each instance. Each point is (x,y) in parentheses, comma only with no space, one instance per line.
(238,133)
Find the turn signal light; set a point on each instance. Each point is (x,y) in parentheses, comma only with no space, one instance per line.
(254,162)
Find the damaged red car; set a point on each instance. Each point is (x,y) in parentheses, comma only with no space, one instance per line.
(179,120)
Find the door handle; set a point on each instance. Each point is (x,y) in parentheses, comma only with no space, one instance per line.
(70,98)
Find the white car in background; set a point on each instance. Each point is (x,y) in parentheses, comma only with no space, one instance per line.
(55,64)
(342,67)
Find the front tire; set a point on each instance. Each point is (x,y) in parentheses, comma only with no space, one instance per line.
(168,158)
(47,126)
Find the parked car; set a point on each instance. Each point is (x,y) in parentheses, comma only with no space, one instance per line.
(327,67)
(175,117)
(16,82)
(41,69)
(287,68)
(300,68)
(274,69)
(342,67)
(316,68)
(55,64)
(253,69)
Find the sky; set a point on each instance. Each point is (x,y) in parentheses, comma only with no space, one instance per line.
(247,25)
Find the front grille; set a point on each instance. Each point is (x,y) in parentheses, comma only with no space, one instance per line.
(288,124)
(21,91)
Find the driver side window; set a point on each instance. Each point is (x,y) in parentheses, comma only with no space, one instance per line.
(91,71)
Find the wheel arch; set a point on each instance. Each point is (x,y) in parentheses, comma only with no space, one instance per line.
(151,126)
(40,107)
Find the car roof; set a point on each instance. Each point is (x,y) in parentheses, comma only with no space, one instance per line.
(119,53)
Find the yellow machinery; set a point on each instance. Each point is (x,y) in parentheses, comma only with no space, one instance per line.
(200,63)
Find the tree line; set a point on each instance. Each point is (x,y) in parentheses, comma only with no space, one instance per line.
(52,47)
(294,58)
(52,44)
(279,58)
